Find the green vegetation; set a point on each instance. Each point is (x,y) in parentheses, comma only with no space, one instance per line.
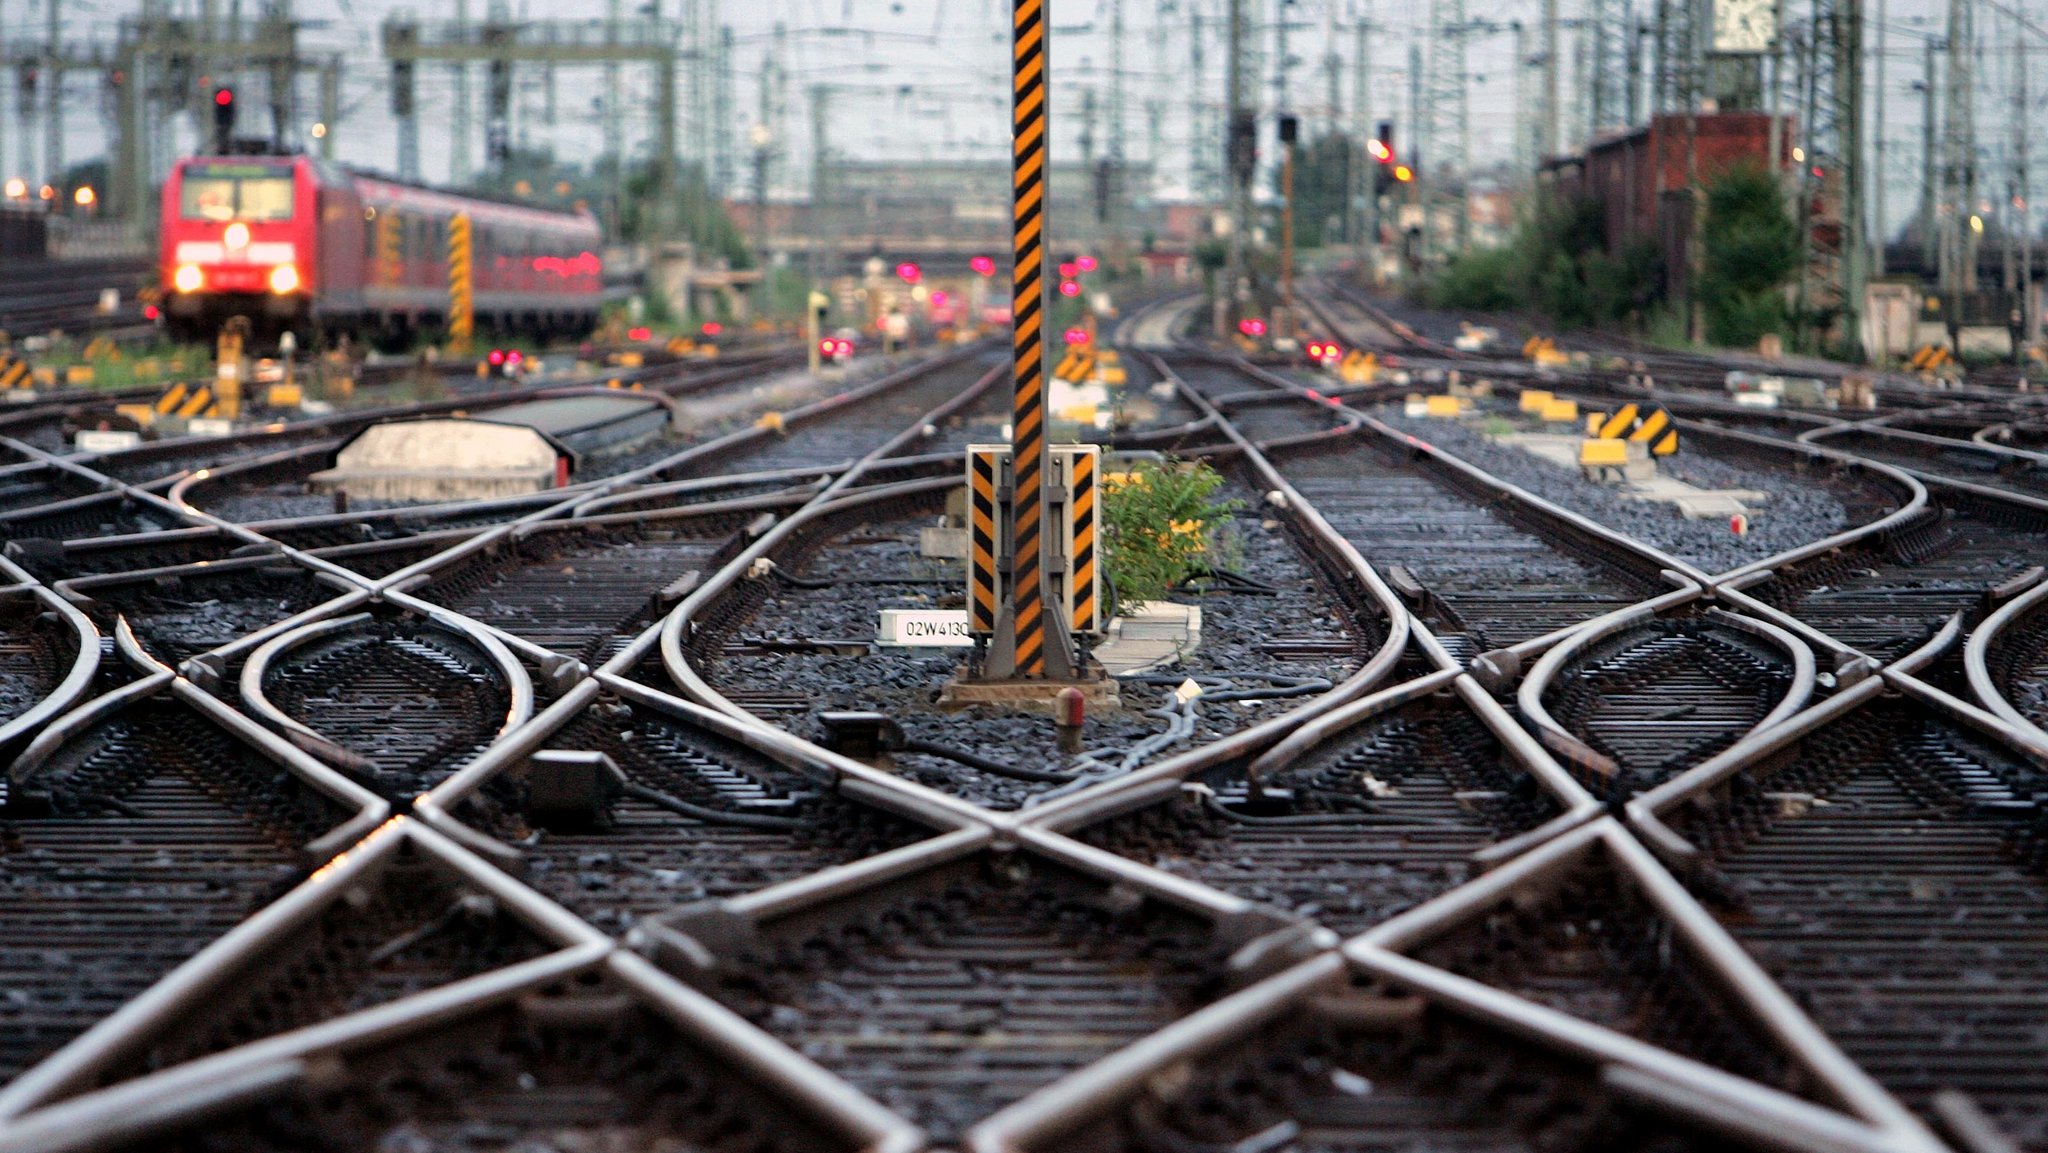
(1159,525)
(1749,251)
(1557,264)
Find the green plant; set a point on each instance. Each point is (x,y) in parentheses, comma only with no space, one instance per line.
(1159,525)
(1557,264)
(1749,250)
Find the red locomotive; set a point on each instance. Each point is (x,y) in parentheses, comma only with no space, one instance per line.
(296,243)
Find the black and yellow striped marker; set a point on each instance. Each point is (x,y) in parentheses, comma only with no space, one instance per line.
(14,371)
(1083,608)
(984,589)
(1026,655)
(1618,425)
(1656,431)
(461,284)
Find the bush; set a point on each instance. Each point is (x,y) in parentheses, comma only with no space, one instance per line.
(1486,280)
(1749,250)
(1159,526)
(1557,264)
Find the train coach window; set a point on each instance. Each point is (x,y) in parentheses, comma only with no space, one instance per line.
(224,198)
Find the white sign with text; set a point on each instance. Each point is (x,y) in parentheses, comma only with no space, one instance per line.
(925,628)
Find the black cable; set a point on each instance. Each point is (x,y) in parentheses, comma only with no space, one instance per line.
(709,816)
(992,767)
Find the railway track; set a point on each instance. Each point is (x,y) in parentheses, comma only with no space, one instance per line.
(521,861)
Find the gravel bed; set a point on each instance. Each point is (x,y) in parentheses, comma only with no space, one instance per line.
(1798,511)
(904,683)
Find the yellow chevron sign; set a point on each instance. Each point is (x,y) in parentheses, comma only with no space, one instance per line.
(1655,430)
(1618,425)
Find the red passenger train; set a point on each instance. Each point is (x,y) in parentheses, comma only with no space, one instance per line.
(296,243)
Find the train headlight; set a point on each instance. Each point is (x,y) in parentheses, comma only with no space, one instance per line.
(284,278)
(236,236)
(188,278)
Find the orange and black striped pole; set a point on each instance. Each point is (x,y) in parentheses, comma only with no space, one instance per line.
(1036,650)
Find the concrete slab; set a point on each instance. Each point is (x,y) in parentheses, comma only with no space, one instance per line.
(1151,636)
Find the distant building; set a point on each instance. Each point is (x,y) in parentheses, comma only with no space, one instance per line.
(1643,177)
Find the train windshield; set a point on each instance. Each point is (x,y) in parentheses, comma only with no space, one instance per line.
(237,192)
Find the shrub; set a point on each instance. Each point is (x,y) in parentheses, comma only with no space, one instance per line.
(1159,525)
(1749,250)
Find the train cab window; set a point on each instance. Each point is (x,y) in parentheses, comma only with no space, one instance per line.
(224,198)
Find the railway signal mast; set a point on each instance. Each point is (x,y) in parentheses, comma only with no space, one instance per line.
(1030,641)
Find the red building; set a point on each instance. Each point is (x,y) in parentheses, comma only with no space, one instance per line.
(1643,177)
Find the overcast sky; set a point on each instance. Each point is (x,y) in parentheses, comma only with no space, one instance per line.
(928,78)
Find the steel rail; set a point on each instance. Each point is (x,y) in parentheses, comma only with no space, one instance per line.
(833,497)
(1529,694)
(1976,664)
(85,662)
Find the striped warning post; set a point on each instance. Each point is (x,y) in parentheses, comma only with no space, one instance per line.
(390,248)
(984,523)
(1027,339)
(1656,431)
(14,371)
(461,284)
(1083,605)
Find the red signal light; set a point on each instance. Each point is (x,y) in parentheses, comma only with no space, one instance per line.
(984,265)
(224,97)
(497,357)
(828,346)
(1085,263)
(151,312)
(1380,151)
(1069,288)
(713,328)
(1252,326)
(1069,271)
(639,334)
(909,272)
(1076,336)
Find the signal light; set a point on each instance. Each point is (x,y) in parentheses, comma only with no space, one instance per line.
(712,328)
(1076,335)
(496,357)
(151,312)
(1403,173)
(1380,151)
(1069,271)
(1069,288)
(909,273)
(639,334)
(223,120)
(1325,352)
(835,348)
(1085,263)
(984,265)
(1252,326)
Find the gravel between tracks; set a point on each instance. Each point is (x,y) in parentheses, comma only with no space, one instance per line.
(903,683)
(1796,514)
